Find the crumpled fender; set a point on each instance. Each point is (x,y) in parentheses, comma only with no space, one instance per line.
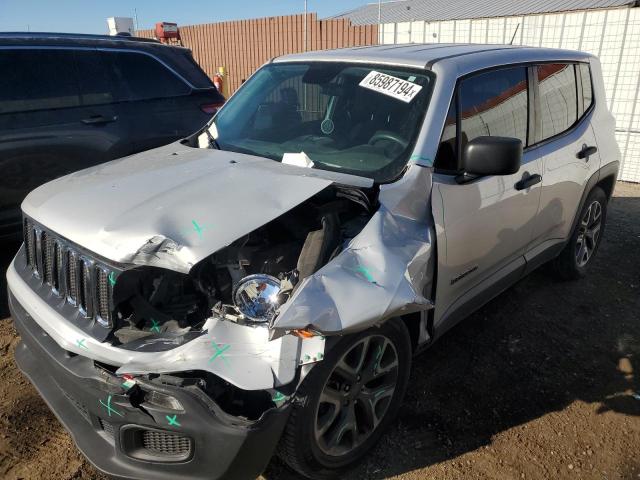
(384,271)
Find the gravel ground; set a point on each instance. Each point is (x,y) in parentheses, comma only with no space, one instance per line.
(543,382)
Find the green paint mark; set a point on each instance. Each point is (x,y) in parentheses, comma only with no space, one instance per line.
(112,279)
(364,271)
(172,421)
(219,352)
(109,408)
(197,228)
(155,327)
(80,343)
(279,396)
(419,158)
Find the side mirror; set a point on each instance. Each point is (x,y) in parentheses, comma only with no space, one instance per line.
(492,156)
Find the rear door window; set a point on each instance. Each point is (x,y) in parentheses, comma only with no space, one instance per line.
(140,77)
(37,80)
(558,98)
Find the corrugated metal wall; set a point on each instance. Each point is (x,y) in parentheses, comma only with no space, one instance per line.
(612,34)
(244,45)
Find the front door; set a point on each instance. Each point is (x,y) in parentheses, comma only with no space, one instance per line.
(485,225)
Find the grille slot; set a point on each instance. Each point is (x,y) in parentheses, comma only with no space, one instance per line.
(84,291)
(59,266)
(30,243)
(72,277)
(82,281)
(166,444)
(103,295)
(108,428)
(47,257)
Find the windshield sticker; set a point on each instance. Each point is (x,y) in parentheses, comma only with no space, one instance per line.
(391,86)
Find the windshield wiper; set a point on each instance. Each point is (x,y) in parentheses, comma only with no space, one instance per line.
(212,141)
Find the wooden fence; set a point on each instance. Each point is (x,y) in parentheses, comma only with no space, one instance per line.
(242,46)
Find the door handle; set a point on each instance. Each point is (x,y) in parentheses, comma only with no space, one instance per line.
(99,120)
(586,152)
(528,182)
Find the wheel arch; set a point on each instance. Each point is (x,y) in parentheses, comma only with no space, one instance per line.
(604,178)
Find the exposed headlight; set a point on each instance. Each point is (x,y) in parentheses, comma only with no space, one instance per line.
(256,296)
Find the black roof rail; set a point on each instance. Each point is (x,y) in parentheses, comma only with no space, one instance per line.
(76,36)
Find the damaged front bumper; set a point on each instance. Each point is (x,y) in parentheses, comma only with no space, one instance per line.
(185,436)
(241,355)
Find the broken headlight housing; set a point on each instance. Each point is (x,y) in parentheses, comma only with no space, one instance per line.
(257,297)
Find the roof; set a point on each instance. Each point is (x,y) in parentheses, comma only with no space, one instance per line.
(433,10)
(177,58)
(423,55)
(79,37)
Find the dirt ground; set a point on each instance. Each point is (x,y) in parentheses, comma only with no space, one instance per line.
(543,382)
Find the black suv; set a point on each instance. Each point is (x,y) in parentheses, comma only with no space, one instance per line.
(71,101)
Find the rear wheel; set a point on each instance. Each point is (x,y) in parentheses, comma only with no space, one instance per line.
(348,400)
(573,261)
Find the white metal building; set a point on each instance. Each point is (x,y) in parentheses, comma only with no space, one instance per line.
(609,29)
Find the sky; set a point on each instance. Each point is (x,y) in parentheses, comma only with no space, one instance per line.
(90,16)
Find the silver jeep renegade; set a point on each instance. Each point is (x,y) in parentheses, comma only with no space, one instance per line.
(265,282)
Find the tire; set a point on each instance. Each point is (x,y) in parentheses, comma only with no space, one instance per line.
(306,444)
(574,260)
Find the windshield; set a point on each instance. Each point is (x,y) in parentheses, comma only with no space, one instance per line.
(351,118)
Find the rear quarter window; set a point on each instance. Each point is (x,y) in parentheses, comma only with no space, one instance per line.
(584,74)
(138,76)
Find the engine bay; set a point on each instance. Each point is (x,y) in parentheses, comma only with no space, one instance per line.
(246,281)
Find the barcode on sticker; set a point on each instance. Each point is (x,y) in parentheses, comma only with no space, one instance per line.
(392,86)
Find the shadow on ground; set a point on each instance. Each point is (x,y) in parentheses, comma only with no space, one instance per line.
(535,349)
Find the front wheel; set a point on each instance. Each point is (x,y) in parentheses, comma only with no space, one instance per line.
(579,252)
(348,401)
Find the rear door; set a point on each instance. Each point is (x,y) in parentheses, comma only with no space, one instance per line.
(43,128)
(566,142)
(155,100)
(487,222)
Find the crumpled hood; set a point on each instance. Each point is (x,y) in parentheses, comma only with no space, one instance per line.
(173,206)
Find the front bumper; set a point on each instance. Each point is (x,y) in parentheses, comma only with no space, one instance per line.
(115,435)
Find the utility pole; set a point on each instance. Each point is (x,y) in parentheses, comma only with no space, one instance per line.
(135,15)
(305,25)
(379,21)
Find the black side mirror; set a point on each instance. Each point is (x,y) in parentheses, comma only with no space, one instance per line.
(492,156)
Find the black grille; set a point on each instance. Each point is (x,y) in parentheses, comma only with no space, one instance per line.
(71,268)
(82,281)
(107,427)
(166,444)
(85,301)
(102,295)
(30,244)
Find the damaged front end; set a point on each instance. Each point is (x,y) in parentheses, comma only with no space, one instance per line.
(239,308)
